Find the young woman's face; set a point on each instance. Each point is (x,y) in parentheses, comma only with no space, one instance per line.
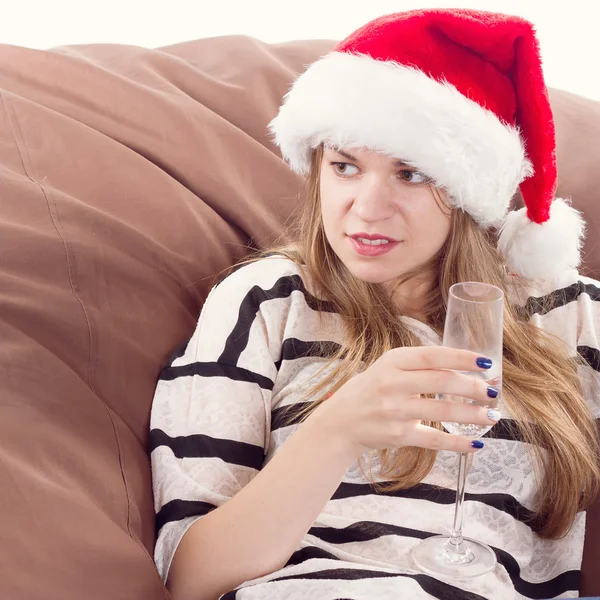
(380,216)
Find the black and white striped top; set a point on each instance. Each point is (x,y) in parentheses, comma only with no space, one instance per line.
(216,420)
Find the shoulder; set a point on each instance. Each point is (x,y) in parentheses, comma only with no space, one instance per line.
(573,289)
(250,286)
(570,309)
(269,275)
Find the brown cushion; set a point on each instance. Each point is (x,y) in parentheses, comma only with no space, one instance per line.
(128,178)
(578,150)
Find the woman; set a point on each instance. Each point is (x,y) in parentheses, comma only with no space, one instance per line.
(414,134)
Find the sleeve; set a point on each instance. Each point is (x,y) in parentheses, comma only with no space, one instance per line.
(588,340)
(210,419)
(571,311)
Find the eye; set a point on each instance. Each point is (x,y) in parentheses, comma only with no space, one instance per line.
(344,169)
(415,177)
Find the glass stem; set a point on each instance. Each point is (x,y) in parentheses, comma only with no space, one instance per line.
(456,548)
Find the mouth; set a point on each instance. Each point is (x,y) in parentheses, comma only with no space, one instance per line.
(375,238)
(372,244)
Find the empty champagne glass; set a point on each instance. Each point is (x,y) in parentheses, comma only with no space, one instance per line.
(474,321)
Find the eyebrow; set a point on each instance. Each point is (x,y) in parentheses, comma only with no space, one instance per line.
(347,155)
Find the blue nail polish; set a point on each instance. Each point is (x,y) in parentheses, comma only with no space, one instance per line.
(494,415)
(492,392)
(477,444)
(484,363)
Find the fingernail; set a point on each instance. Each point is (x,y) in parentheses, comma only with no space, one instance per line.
(492,392)
(478,444)
(484,363)
(494,415)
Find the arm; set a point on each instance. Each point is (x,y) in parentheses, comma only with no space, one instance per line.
(224,518)
(210,429)
(257,531)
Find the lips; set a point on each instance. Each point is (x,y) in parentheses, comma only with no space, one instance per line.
(372,236)
(366,249)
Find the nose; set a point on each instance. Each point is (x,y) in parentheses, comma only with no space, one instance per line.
(373,200)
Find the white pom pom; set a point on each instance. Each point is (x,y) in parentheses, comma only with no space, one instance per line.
(543,251)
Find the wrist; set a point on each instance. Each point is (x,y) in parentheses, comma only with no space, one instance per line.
(330,437)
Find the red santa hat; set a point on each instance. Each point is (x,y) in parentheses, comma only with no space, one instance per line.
(460,95)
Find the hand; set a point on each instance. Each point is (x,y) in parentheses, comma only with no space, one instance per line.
(381,407)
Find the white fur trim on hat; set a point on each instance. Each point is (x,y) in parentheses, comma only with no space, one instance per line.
(547,250)
(354,101)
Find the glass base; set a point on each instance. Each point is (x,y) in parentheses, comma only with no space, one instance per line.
(435,557)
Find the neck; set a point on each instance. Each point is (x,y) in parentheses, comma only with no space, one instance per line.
(410,296)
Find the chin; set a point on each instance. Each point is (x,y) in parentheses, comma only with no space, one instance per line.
(373,273)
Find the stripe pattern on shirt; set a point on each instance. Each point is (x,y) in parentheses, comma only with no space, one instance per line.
(242,364)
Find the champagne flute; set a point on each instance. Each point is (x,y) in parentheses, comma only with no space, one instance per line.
(474,321)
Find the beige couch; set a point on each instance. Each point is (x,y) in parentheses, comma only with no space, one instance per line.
(128,179)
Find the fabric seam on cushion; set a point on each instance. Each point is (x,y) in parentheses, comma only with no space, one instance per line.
(127,494)
(19,139)
(28,170)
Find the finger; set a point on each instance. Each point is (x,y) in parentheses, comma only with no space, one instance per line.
(428,437)
(427,409)
(417,358)
(447,383)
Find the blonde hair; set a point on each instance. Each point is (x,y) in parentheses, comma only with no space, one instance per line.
(541,387)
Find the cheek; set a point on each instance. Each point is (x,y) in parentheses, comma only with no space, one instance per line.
(332,202)
(328,213)
(429,223)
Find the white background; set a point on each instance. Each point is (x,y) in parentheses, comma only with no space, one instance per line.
(569,30)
